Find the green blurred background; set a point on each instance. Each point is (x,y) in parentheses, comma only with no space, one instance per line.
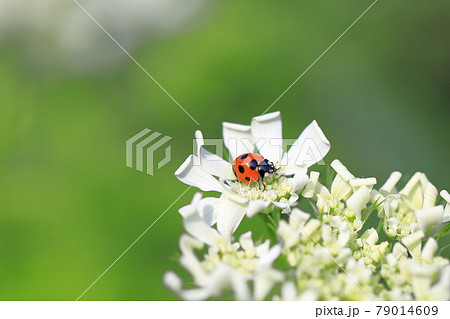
(68,204)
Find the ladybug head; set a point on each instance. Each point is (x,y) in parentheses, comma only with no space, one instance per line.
(266,167)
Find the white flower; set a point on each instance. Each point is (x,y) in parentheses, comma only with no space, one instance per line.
(316,252)
(289,293)
(224,212)
(446,215)
(347,198)
(264,135)
(369,250)
(423,277)
(325,257)
(226,264)
(411,209)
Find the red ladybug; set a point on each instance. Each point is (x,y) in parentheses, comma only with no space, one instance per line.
(250,167)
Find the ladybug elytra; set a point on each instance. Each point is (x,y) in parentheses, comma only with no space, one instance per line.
(250,167)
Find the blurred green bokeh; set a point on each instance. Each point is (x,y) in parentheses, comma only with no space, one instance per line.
(68,204)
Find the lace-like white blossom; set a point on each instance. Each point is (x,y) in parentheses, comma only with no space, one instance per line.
(413,208)
(327,250)
(225,265)
(264,134)
(423,277)
(316,251)
(346,199)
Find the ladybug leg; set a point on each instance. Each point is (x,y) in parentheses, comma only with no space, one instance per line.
(261,183)
(276,168)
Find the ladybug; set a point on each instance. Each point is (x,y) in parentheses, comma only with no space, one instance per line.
(251,168)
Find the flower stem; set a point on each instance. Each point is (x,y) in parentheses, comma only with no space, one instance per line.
(270,226)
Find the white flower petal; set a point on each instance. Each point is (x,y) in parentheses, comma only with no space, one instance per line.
(292,201)
(412,193)
(415,179)
(446,215)
(199,229)
(358,200)
(309,295)
(430,195)
(246,241)
(230,211)
(299,180)
(310,228)
(298,218)
(323,192)
(390,199)
(195,294)
(310,189)
(198,141)
(288,291)
(264,282)
(263,248)
(341,170)
(267,135)
(211,285)
(215,165)
(441,289)
(188,259)
(238,139)
(340,189)
(309,148)
(239,285)
(344,238)
(286,206)
(267,259)
(207,211)
(256,206)
(190,209)
(172,281)
(445,195)
(390,226)
(370,237)
(289,236)
(327,236)
(188,244)
(429,249)
(421,277)
(414,243)
(429,217)
(286,210)
(193,175)
(399,251)
(358,182)
(389,186)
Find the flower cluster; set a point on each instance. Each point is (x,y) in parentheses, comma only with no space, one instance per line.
(225,265)
(412,208)
(337,240)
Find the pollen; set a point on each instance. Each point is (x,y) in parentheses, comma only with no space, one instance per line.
(275,189)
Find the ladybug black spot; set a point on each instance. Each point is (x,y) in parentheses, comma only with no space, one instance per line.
(253,164)
(241,169)
(244,156)
(247,179)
